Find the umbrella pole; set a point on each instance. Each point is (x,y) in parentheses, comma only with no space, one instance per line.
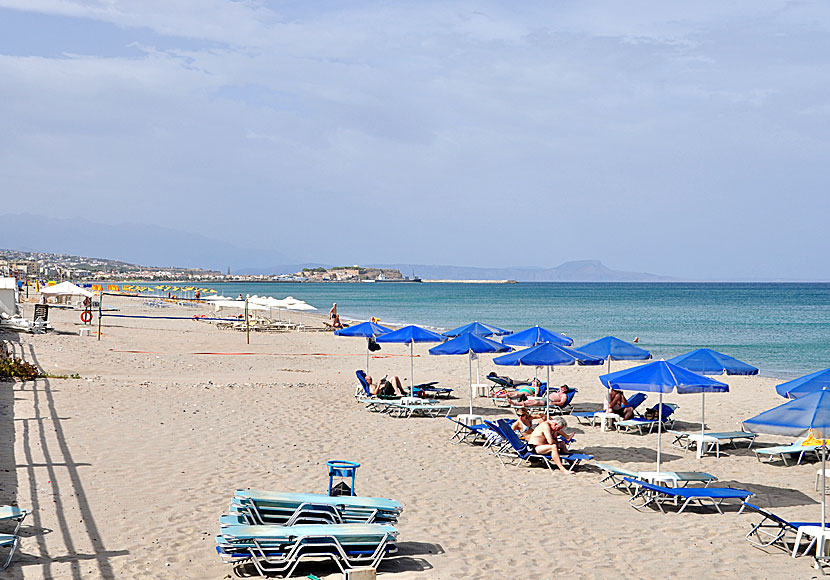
(478,371)
(702,416)
(470,360)
(547,397)
(659,429)
(367,359)
(823,491)
(412,367)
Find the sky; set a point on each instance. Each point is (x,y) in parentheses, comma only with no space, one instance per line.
(680,139)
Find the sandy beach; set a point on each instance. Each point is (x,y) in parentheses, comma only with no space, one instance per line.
(128,467)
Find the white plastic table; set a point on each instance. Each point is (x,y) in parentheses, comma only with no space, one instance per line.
(606,419)
(819,537)
(468,419)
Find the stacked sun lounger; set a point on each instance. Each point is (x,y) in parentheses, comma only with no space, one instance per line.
(11,540)
(274,531)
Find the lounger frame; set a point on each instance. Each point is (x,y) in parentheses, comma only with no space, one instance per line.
(269,558)
(648,494)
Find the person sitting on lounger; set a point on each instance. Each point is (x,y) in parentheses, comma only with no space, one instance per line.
(524,424)
(617,403)
(545,440)
(385,387)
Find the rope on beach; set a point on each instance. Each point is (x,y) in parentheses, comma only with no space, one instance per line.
(287,354)
(104,314)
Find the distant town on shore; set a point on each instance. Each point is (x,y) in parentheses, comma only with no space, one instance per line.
(43,265)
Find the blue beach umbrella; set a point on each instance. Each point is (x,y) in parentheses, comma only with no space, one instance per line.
(364,329)
(469,344)
(797,418)
(536,335)
(661,377)
(547,355)
(410,335)
(706,361)
(478,328)
(612,348)
(804,385)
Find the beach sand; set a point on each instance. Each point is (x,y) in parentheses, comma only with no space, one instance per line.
(128,467)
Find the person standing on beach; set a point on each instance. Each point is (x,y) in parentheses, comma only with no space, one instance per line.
(333,313)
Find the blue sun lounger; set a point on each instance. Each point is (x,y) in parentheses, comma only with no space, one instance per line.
(639,423)
(463,432)
(521,450)
(649,493)
(552,409)
(286,508)
(588,417)
(279,549)
(772,529)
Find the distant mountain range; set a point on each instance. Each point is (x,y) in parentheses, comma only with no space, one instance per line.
(166,247)
(577,271)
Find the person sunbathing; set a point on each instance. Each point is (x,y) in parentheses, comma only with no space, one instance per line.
(385,387)
(617,403)
(557,399)
(506,380)
(523,392)
(546,439)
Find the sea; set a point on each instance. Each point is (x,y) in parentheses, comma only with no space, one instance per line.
(782,328)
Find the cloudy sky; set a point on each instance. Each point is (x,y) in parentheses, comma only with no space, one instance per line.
(684,139)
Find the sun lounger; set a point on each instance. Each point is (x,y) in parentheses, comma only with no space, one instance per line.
(279,549)
(413,407)
(539,404)
(589,417)
(469,433)
(430,389)
(787,450)
(641,424)
(12,513)
(286,508)
(614,477)
(773,529)
(9,541)
(521,450)
(649,493)
(710,440)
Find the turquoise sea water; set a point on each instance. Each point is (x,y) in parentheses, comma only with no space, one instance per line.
(784,329)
